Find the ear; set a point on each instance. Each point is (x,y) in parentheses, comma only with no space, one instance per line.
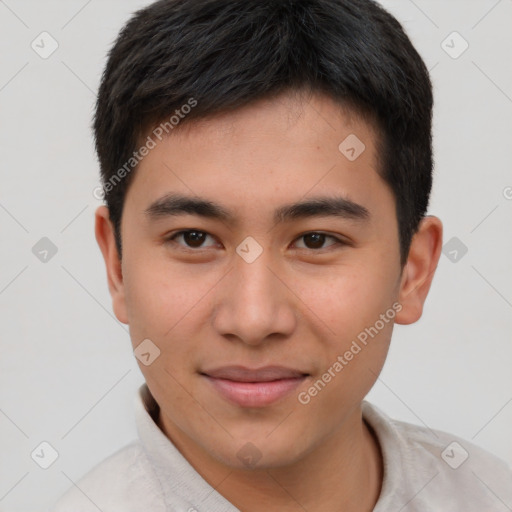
(104,231)
(419,269)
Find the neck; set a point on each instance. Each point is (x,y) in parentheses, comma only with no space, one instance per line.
(344,472)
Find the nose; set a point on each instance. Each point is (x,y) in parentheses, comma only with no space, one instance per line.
(255,302)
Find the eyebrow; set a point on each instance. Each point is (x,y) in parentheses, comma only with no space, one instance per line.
(175,204)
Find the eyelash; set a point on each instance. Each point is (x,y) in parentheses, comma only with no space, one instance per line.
(171,240)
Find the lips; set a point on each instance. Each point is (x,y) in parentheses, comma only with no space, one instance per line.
(266,374)
(254,388)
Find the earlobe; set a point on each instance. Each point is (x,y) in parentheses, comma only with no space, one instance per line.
(104,231)
(420,268)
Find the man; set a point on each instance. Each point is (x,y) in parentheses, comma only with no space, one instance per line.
(267,167)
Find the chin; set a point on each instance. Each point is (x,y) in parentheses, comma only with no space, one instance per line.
(258,451)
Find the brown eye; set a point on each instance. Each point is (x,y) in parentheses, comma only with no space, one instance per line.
(192,238)
(316,240)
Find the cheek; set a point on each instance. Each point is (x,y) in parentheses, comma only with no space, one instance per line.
(166,304)
(357,306)
(353,360)
(349,301)
(148,300)
(159,296)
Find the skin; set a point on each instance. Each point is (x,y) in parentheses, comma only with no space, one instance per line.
(296,305)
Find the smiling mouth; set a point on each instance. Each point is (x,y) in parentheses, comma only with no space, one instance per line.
(254,388)
(265,374)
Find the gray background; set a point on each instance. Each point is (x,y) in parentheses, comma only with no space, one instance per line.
(67,372)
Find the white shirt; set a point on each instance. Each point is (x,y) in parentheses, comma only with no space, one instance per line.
(424,470)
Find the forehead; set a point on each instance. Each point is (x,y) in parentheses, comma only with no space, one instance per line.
(295,117)
(272,151)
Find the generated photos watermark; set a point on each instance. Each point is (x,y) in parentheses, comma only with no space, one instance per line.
(164,128)
(304,397)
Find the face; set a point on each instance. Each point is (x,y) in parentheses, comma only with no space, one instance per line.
(314,290)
